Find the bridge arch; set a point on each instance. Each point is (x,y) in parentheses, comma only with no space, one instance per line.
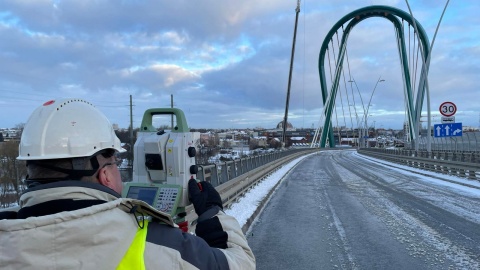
(353,18)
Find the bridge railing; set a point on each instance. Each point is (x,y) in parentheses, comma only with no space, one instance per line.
(469,141)
(458,163)
(220,173)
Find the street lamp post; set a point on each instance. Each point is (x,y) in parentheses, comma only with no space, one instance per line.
(369,104)
(357,125)
(360,137)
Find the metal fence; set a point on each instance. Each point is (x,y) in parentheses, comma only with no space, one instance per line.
(459,163)
(220,173)
(469,141)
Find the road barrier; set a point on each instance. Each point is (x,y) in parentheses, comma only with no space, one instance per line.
(469,141)
(458,163)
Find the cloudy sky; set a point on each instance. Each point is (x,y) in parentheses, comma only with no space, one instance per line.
(226,63)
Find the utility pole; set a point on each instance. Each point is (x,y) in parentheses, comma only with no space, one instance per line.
(284,125)
(130,160)
(171,105)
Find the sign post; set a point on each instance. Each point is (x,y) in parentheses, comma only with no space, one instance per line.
(448,127)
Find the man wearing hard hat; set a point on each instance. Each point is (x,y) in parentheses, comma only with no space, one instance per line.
(73,217)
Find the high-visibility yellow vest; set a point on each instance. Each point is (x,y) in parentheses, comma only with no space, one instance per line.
(133,259)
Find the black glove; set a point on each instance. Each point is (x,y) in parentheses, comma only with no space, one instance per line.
(203,196)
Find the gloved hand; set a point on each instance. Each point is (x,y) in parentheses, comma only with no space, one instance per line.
(203,196)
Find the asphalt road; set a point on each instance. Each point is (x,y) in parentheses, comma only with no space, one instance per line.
(336,210)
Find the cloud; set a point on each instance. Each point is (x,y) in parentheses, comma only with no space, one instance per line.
(226,63)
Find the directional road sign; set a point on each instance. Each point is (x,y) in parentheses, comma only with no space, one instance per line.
(447,130)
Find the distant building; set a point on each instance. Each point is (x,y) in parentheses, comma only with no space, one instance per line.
(280,126)
(469,128)
(10,134)
(298,140)
(261,141)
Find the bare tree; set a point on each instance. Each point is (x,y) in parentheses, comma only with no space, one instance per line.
(19,127)
(274,143)
(12,173)
(253,144)
(214,141)
(226,144)
(164,127)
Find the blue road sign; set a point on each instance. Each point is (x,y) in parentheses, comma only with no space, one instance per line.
(447,130)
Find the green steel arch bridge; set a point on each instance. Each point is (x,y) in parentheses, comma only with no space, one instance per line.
(336,51)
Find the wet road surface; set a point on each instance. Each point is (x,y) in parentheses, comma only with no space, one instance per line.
(337,210)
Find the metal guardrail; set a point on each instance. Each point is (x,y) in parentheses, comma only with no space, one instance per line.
(463,164)
(234,177)
(469,141)
(220,173)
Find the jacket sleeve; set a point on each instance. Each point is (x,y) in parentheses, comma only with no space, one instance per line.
(223,232)
(220,245)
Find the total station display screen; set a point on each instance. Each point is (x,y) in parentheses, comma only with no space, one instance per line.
(146,194)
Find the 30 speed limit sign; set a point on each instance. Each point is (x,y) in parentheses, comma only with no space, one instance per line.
(448,108)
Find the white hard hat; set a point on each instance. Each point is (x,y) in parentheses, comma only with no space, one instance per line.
(66,128)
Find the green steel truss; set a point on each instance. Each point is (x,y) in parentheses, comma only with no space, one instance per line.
(353,18)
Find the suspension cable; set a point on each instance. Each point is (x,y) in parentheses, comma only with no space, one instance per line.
(350,76)
(352,80)
(304,53)
(417,50)
(343,75)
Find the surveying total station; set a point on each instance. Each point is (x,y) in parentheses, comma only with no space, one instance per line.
(164,162)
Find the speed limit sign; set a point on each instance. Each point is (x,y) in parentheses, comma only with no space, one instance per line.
(448,108)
